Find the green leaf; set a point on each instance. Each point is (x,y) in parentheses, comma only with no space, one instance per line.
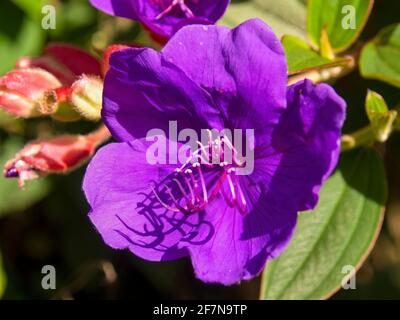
(301,57)
(19,35)
(341,231)
(12,197)
(380,58)
(3,280)
(335,16)
(283,16)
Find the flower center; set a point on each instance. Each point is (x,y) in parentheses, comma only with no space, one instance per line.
(168,8)
(209,172)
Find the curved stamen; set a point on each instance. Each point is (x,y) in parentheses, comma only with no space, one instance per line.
(181,3)
(229,201)
(163,203)
(204,151)
(242,206)
(182,209)
(232,188)
(187,190)
(203,184)
(183,190)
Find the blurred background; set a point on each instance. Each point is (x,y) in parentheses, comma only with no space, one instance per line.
(47,224)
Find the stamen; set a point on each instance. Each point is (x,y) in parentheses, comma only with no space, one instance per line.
(192,194)
(163,203)
(242,206)
(203,184)
(183,190)
(232,188)
(226,141)
(227,199)
(206,153)
(176,202)
(185,9)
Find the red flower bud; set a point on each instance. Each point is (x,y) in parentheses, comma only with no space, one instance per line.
(54,155)
(64,65)
(64,61)
(21,90)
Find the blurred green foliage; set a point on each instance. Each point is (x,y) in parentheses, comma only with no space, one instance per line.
(20,35)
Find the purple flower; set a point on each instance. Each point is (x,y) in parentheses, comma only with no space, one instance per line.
(165,17)
(211,77)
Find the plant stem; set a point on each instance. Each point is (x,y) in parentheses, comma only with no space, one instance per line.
(362,137)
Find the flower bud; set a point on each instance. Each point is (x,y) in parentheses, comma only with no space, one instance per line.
(64,64)
(55,155)
(21,90)
(56,104)
(382,119)
(64,61)
(86,97)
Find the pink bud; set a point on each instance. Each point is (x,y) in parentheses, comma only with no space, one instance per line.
(54,155)
(64,61)
(21,90)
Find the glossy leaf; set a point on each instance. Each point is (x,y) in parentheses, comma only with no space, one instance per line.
(343,20)
(284,16)
(340,232)
(301,57)
(380,58)
(12,198)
